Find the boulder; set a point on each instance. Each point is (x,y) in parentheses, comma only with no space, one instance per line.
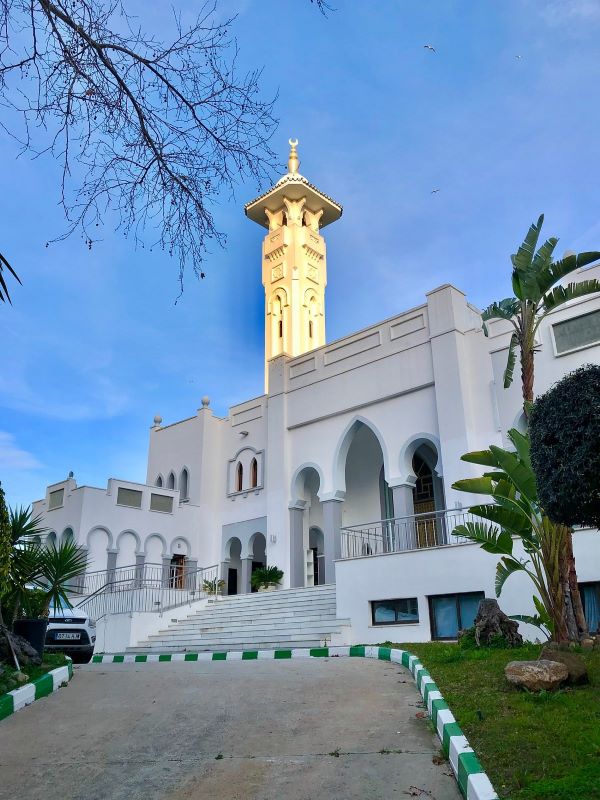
(536,675)
(492,622)
(26,654)
(574,663)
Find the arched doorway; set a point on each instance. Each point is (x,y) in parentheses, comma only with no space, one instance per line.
(368,497)
(316,544)
(306,513)
(428,498)
(233,565)
(257,553)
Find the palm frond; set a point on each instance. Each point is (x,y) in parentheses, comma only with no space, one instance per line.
(505,568)
(24,526)
(519,473)
(59,566)
(562,294)
(502,309)
(4,295)
(543,257)
(522,446)
(483,457)
(511,361)
(492,539)
(524,276)
(483,485)
(557,270)
(513,521)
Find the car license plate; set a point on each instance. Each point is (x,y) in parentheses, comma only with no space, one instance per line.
(68,636)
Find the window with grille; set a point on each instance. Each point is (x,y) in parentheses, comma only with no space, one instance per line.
(577,332)
(56,499)
(395,612)
(129,497)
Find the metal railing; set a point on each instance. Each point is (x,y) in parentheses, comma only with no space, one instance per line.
(147,587)
(433,529)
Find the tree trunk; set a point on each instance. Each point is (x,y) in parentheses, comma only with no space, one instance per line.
(527,374)
(574,594)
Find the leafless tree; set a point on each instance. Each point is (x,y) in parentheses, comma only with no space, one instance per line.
(146,130)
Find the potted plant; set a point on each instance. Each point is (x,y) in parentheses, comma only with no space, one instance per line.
(213,587)
(265,579)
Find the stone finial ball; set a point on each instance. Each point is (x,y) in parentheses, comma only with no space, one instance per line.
(206,401)
(157,419)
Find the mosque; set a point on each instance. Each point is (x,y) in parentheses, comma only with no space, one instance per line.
(342,471)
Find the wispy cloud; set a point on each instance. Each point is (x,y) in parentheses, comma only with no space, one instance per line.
(561,12)
(14,457)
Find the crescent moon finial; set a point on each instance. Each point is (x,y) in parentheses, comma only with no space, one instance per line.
(293,160)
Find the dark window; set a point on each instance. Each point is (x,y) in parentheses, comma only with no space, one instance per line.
(395,612)
(253,473)
(451,613)
(281,329)
(239,477)
(571,334)
(590,597)
(310,328)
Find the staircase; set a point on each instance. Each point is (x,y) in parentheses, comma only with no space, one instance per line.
(281,619)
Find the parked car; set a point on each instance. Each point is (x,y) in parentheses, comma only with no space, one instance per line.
(71,631)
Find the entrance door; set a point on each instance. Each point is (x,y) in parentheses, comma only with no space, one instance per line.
(315,552)
(232,581)
(256,565)
(177,571)
(424,502)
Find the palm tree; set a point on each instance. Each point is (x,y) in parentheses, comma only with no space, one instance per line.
(515,512)
(4,295)
(534,279)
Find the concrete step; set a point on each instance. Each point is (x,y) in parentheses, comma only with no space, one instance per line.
(228,625)
(172,636)
(264,645)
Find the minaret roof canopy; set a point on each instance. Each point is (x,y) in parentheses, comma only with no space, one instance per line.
(293,186)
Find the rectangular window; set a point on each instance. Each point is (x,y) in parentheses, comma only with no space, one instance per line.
(590,597)
(577,332)
(129,497)
(161,502)
(395,612)
(55,499)
(451,613)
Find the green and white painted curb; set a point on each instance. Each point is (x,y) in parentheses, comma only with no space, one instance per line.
(14,701)
(473,783)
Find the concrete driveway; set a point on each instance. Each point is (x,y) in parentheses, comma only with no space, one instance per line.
(253,730)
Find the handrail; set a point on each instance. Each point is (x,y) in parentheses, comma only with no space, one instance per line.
(430,529)
(148,590)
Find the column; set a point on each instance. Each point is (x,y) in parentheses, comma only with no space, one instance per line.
(111,565)
(332,544)
(166,577)
(191,578)
(297,554)
(246,587)
(140,559)
(402,535)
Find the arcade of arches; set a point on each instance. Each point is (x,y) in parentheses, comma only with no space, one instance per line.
(315,525)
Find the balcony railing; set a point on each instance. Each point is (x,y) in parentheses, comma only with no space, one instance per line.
(433,529)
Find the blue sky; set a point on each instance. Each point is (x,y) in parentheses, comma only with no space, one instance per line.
(95,345)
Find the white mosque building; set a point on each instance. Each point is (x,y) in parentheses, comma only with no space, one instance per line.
(342,471)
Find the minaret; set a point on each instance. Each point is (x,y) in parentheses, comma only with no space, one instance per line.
(294,271)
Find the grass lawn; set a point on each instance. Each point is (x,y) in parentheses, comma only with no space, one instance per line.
(533,746)
(51,661)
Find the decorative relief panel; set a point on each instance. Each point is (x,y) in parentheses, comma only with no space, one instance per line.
(313,274)
(277,273)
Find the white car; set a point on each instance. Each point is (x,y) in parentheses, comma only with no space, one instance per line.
(70,631)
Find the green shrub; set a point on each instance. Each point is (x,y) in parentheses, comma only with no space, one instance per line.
(264,577)
(564,429)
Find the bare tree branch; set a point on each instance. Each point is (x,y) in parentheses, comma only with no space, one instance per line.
(147,130)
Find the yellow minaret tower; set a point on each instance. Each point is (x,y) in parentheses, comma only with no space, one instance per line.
(294,271)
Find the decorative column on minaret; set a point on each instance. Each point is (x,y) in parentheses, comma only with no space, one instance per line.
(294,271)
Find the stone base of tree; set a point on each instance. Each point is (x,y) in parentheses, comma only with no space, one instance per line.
(491,623)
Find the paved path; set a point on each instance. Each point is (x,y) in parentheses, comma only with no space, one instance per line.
(249,730)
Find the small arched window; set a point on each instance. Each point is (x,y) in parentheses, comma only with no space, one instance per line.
(184,484)
(310,328)
(171,481)
(253,473)
(239,477)
(159,481)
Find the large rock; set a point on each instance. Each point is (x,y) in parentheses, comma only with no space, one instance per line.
(536,675)
(574,663)
(26,654)
(492,622)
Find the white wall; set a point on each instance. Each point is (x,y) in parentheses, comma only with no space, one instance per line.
(444,570)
